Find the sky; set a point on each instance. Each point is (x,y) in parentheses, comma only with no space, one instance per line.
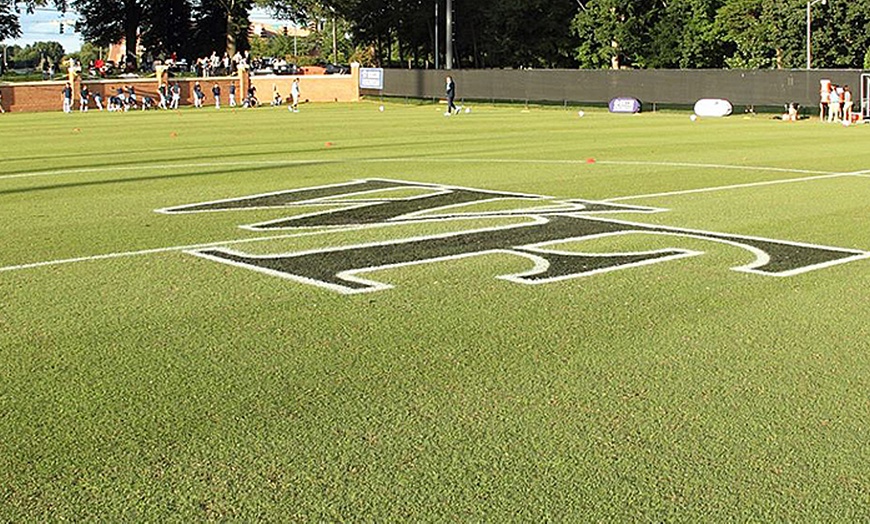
(44,26)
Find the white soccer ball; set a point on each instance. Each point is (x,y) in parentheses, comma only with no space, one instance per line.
(467,110)
(381,109)
(693,118)
(581,114)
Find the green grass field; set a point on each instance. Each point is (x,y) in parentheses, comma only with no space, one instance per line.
(141,383)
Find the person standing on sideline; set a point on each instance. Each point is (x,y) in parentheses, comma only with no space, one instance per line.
(847,105)
(451,96)
(834,104)
(131,97)
(233,93)
(66,93)
(294,94)
(176,95)
(216,92)
(251,99)
(83,102)
(198,95)
(824,99)
(161,92)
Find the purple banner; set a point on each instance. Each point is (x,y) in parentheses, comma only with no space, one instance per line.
(624,105)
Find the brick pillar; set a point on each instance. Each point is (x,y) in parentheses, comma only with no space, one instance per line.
(74,77)
(162,73)
(244,81)
(354,74)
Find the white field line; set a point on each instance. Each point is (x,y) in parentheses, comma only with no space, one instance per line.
(821,176)
(278,163)
(715,166)
(141,252)
(139,167)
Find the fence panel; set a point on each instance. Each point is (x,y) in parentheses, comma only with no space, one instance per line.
(677,87)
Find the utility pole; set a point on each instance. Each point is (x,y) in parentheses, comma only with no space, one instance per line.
(449,64)
(437,50)
(334,43)
(810,4)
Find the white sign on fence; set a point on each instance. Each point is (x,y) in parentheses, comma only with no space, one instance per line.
(371,78)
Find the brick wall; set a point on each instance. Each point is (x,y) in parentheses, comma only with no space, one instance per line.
(46,96)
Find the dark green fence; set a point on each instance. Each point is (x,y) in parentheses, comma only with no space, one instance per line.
(743,88)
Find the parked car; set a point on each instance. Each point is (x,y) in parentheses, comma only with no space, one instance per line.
(262,66)
(335,69)
(178,66)
(281,67)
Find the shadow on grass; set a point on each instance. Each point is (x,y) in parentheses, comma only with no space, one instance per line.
(97,183)
(187,160)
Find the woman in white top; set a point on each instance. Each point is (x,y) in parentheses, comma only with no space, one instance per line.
(824,98)
(294,92)
(847,104)
(834,104)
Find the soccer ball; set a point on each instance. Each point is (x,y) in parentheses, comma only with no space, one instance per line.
(467,110)
(581,114)
(381,109)
(693,118)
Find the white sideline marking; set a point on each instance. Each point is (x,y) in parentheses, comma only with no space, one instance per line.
(715,166)
(821,175)
(108,256)
(76,171)
(733,186)
(278,163)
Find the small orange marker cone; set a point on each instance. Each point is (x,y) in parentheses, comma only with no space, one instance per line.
(590,160)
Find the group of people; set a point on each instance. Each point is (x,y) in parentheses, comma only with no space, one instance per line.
(169,97)
(277,99)
(835,103)
(207,66)
(123,99)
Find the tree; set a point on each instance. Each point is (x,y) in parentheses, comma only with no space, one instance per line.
(841,34)
(32,56)
(9,9)
(751,27)
(684,36)
(87,54)
(221,26)
(167,28)
(515,33)
(614,33)
(9,26)
(105,22)
(320,16)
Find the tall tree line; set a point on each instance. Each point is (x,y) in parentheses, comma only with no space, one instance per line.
(183,28)
(615,33)
(504,33)
(720,33)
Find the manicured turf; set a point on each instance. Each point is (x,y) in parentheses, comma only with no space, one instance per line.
(153,385)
